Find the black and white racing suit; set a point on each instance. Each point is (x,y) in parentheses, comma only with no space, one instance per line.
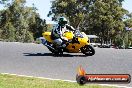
(57,34)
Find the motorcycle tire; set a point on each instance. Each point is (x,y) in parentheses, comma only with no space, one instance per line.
(88,50)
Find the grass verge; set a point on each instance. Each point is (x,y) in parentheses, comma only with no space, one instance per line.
(13,81)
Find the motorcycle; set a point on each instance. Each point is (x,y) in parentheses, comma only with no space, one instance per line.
(77,42)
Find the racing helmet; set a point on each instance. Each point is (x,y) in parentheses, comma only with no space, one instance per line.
(62,21)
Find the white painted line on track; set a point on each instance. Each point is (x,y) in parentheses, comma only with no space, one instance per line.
(62,80)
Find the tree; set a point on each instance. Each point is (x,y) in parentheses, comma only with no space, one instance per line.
(128,20)
(74,10)
(8,32)
(50,27)
(106,19)
(128,33)
(22,21)
(124,38)
(3,1)
(37,26)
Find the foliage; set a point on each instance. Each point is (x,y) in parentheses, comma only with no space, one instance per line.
(20,23)
(74,10)
(128,20)
(106,19)
(3,1)
(50,27)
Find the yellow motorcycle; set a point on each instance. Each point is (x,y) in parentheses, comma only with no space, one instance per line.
(77,42)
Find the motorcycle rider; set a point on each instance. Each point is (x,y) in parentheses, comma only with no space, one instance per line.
(57,32)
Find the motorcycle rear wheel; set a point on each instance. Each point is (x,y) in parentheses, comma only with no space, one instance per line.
(88,50)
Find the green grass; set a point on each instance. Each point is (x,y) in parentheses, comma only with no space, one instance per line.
(13,81)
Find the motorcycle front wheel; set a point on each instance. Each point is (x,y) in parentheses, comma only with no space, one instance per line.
(88,50)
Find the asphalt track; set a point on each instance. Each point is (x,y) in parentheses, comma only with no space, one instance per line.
(35,60)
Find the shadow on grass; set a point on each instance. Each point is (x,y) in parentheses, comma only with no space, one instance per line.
(50,54)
